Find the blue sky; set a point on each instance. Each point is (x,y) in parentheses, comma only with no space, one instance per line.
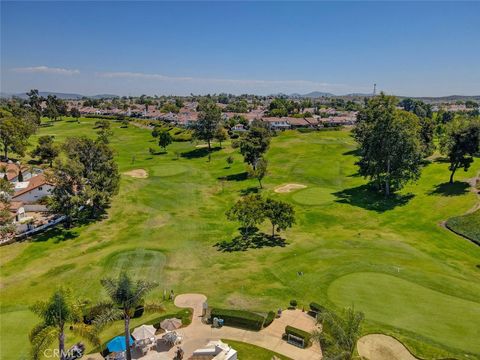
(130,48)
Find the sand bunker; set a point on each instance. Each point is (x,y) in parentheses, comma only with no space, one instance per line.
(382,347)
(137,173)
(288,188)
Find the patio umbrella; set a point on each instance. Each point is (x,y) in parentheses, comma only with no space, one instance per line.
(117,344)
(170,337)
(171,324)
(144,332)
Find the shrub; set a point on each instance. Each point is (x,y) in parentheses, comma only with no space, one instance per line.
(306,130)
(306,336)
(182,136)
(293,303)
(317,308)
(269,319)
(239,318)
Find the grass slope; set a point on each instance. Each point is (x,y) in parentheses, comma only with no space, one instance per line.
(467,225)
(348,243)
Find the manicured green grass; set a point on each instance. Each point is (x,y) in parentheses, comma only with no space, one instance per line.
(164,228)
(467,225)
(434,312)
(253,352)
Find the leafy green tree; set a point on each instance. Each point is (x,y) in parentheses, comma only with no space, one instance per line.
(35,102)
(99,172)
(339,334)
(427,131)
(164,139)
(170,107)
(259,171)
(280,214)
(46,149)
(14,132)
(230,160)
(88,178)
(389,143)
(6,224)
(248,211)
(104,130)
(75,113)
(460,143)
(254,144)
(60,311)
(221,135)
(206,126)
(67,196)
(179,103)
(126,295)
(52,109)
(470,104)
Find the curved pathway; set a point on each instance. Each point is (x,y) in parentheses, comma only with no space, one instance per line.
(382,347)
(197,334)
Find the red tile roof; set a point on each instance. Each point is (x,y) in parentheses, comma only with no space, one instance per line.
(33,183)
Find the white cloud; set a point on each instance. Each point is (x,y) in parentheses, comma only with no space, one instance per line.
(241,82)
(45,70)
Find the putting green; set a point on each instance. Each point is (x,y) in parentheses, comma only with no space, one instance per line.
(436,315)
(314,196)
(141,263)
(170,170)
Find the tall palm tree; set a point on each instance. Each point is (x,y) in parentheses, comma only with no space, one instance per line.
(126,295)
(338,334)
(60,311)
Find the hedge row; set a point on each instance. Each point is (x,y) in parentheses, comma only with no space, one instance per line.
(239,318)
(269,319)
(306,336)
(317,308)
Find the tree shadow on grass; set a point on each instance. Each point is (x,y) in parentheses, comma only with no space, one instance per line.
(442,160)
(355,152)
(257,240)
(366,197)
(447,189)
(235,177)
(250,190)
(59,234)
(198,153)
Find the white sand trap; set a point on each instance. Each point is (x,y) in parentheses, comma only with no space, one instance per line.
(200,146)
(288,188)
(137,173)
(382,347)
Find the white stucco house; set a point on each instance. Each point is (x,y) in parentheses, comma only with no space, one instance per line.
(31,191)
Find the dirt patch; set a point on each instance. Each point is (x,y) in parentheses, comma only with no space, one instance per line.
(288,188)
(137,173)
(382,347)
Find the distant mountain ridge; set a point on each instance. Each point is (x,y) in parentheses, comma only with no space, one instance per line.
(63,96)
(310,95)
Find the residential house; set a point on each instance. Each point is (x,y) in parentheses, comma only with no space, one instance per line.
(277,123)
(33,190)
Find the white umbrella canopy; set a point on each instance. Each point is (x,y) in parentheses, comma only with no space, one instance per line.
(171,324)
(144,332)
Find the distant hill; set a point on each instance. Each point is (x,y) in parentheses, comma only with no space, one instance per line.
(64,96)
(313,94)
